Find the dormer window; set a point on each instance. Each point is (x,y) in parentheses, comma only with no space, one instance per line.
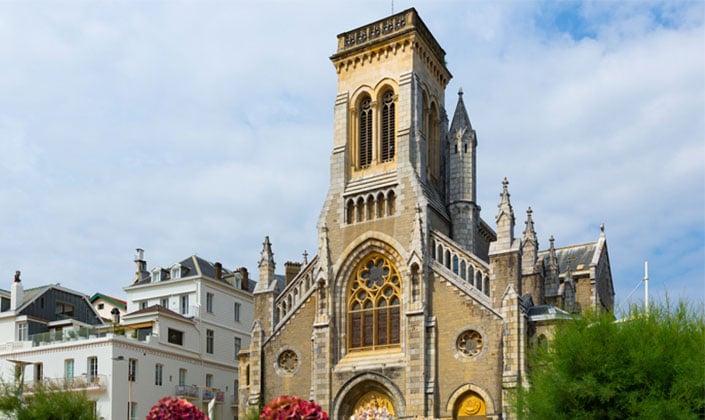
(176,271)
(157,275)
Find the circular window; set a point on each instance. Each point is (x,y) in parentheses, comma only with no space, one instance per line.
(288,361)
(469,343)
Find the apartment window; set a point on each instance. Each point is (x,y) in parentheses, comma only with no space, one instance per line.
(238,346)
(64,310)
(157,275)
(132,410)
(209,341)
(175,337)
(68,370)
(236,310)
(143,305)
(182,377)
(209,380)
(176,272)
(184,305)
(158,372)
(165,303)
(101,306)
(209,303)
(23,332)
(132,370)
(92,369)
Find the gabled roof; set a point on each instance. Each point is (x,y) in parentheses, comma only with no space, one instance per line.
(115,301)
(30,295)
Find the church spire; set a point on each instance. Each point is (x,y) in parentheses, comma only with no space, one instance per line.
(529,246)
(551,285)
(266,265)
(505,219)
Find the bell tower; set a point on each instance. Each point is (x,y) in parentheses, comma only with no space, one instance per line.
(389,149)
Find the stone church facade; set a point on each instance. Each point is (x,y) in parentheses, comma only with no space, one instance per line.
(413,302)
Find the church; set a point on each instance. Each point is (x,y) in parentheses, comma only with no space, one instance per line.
(414,303)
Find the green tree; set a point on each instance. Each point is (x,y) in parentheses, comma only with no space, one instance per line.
(645,366)
(45,403)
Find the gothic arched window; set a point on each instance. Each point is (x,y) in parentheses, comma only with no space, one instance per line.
(374,305)
(365,133)
(388,126)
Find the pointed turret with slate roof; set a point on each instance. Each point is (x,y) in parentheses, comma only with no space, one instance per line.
(462,183)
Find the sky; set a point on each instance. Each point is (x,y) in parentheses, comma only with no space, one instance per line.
(200,127)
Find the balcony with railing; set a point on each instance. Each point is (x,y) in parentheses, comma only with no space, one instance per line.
(86,383)
(187,391)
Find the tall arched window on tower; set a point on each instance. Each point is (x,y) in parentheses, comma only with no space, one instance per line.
(365,133)
(374,305)
(388,126)
(434,148)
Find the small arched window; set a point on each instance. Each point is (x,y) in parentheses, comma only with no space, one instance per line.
(388,126)
(350,212)
(370,207)
(391,203)
(360,210)
(374,305)
(365,133)
(380,205)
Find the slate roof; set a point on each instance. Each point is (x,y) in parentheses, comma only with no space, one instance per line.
(29,295)
(576,257)
(547,312)
(196,266)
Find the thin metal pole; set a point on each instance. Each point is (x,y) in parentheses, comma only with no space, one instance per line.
(646,287)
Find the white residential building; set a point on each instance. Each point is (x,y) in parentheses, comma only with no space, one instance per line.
(180,336)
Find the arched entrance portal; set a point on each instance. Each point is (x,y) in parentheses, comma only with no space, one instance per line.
(368,393)
(373,402)
(470,406)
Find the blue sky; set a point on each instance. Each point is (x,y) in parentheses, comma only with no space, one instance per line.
(186,127)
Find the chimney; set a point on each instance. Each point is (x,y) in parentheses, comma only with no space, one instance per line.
(16,292)
(115,312)
(140,266)
(245,278)
(291,269)
(218,271)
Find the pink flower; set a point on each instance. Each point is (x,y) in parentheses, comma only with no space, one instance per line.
(287,407)
(169,408)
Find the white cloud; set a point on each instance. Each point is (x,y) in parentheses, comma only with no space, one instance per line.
(187,127)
